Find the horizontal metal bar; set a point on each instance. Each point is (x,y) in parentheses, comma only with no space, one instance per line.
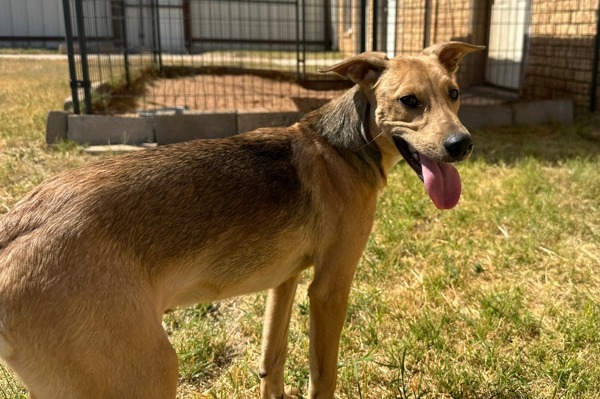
(50,38)
(32,38)
(151,7)
(253,41)
(290,2)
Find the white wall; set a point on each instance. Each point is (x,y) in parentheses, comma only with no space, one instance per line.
(254,21)
(31,18)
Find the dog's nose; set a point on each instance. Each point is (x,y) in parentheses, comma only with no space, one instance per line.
(458,145)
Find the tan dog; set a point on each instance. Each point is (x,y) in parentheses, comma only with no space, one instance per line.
(92,258)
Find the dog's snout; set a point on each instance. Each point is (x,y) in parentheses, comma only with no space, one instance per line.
(458,145)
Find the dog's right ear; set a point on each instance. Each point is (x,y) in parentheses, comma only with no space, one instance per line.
(363,69)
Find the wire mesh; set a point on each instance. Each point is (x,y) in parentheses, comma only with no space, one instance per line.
(152,55)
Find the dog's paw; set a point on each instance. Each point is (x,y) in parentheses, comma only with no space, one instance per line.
(292,393)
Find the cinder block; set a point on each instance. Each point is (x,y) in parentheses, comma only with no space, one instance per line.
(250,120)
(113,149)
(101,129)
(57,126)
(477,116)
(546,111)
(194,125)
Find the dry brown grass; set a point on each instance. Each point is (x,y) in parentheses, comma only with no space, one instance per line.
(28,90)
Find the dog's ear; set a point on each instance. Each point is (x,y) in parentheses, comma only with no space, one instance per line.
(451,53)
(363,69)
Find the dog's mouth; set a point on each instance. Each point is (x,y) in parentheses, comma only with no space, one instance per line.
(441,179)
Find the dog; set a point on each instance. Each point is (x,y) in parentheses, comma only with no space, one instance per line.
(91,259)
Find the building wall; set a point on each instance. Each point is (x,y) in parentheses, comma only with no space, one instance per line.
(20,19)
(557,60)
(561,50)
(347,13)
(222,24)
(448,20)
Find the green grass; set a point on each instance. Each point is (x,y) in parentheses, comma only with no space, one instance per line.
(498,298)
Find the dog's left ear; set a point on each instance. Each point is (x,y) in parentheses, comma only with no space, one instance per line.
(363,69)
(451,53)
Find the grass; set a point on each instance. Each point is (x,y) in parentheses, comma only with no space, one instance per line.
(498,298)
(23,50)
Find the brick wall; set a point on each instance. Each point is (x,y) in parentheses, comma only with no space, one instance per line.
(410,27)
(449,20)
(558,59)
(348,27)
(561,50)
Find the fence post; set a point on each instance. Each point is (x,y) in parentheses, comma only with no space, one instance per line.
(125,43)
(375,24)
(303,38)
(300,39)
(187,25)
(427,25)
(74,83)
(363,26)
(156,46)
(327,40)
(85,69)
(594,83)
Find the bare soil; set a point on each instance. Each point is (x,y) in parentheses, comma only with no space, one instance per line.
(233,92)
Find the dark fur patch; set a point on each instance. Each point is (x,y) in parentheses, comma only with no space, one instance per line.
(245,185)
(344,122)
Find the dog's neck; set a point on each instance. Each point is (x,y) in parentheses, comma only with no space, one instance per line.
(345,123)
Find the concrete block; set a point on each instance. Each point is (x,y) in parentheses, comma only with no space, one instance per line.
(546,111)
(250,120)
(477,116)
(113,149)
(104,129)
(194,125)
(68,104)
(57,126)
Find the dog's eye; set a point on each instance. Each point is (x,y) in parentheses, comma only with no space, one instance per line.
(454,94)
(410,101)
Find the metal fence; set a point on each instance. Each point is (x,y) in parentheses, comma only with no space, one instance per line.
(143,56)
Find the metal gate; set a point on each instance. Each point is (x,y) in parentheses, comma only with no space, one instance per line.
(108,40)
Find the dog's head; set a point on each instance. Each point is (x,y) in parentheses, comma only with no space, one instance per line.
(414,104)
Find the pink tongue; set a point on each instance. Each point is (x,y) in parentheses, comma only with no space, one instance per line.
(442,182)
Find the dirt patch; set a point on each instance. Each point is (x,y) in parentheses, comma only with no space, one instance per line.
(233,92)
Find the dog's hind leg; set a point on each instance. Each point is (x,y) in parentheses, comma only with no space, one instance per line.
(110,349)
(274,346)
(139,364)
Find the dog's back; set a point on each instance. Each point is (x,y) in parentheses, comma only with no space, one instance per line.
(184,190)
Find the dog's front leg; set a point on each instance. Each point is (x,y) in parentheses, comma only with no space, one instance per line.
(274,345)
(328,303)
